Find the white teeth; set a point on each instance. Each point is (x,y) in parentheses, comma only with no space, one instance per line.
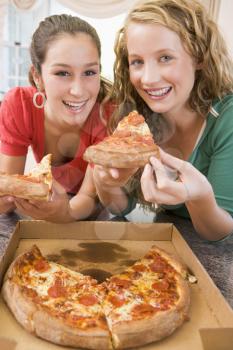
(160,92)
(75,105)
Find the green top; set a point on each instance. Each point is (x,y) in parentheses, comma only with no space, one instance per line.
(213,155)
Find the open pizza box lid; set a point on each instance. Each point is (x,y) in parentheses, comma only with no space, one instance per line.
(104,248)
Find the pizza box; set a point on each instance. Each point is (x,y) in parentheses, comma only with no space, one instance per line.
(101,249)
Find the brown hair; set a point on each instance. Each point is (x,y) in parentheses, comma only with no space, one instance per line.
(49,30)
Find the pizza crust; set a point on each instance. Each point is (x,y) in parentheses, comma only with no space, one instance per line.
(18,187)
(123,159)
(146,331)
(36,185)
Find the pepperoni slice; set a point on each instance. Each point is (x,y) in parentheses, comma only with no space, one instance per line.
(41,265)
(58,289)
(143,309)
(158,266)
(121,282)
(88,300)
(161,285)
(139,267)
(116,300)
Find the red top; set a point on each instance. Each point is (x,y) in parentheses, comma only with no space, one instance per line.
(22,125)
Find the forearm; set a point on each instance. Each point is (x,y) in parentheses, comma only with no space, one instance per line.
(112,198)
(209,220)
(79,207)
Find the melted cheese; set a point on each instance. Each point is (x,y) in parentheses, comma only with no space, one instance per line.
(43,169)
(141,128)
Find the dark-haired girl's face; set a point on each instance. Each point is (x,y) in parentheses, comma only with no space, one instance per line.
(71,79)
(161,70)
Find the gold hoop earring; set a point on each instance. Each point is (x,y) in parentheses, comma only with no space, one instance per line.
(38,93)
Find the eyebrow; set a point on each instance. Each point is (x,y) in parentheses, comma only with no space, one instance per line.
(91,64)
(156,52)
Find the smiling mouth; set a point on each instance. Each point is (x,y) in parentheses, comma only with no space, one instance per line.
(159,92)
(75,106)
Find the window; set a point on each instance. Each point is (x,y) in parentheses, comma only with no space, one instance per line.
(19,26)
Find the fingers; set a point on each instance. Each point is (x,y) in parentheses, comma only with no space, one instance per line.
(24,204)
(164,189)
(7,199)
(57,188)
(114,173)
(148,184)
(172,162)
(112,176)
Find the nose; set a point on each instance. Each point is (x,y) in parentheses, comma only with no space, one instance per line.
(76,87)
(150,73)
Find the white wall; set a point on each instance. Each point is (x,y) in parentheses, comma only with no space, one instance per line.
(225,22)
(106,29)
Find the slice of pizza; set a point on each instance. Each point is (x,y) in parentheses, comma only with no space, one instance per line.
(147,301)
(35,185)
(130,146)
(56,303)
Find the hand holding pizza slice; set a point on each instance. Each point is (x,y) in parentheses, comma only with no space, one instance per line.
(36,185)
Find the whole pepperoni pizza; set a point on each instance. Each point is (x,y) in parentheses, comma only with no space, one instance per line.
(143,304)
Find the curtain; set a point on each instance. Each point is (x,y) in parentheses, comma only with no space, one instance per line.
(99,8)
(105,8)
(24,4)
(89,8)
(3,5)
(213,7)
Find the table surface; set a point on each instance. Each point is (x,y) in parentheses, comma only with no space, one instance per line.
(217,258)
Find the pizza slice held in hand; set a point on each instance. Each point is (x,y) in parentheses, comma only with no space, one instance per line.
(130,146)
(35,185)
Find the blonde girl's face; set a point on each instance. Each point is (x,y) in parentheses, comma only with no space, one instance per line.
(71,79)
(160,69)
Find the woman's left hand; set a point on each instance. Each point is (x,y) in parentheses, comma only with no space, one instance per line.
(41,210)
(158,187)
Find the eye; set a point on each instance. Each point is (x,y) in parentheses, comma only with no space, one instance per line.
(135,62)
(62,73)
(165,58)
(90,72)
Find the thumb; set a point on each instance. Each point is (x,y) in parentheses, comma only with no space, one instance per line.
(57,189)
(114,173)
(171,161)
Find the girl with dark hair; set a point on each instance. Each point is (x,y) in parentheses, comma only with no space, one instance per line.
(62,113)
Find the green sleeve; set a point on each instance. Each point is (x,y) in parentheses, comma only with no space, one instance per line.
(220,153)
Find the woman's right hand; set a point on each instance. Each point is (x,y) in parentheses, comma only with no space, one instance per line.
(6,204)
(109,183)
(107,178)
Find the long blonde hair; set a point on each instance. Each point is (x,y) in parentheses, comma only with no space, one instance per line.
(200,37)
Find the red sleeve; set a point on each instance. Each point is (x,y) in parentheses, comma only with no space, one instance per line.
(16,126)
(99,123)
